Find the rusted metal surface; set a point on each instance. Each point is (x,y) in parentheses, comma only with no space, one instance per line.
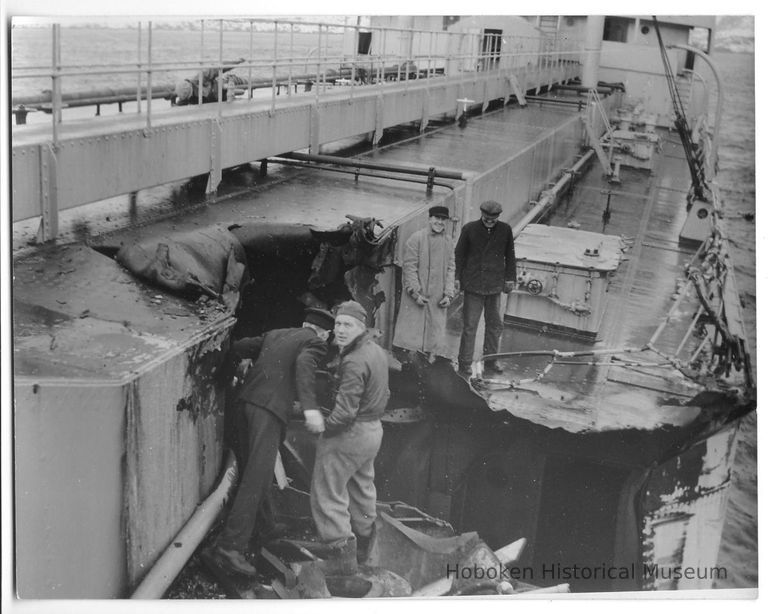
(689,522)
(71,296)
(131,369)
(174,440)
(77,313)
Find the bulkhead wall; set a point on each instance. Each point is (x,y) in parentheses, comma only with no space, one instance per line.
(521,178)
(115,470)
(174,437)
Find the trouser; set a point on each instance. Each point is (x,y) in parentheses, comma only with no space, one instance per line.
(474,305)
(343,495)
(259,435)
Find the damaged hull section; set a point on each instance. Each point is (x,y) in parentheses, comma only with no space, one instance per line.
(583,481)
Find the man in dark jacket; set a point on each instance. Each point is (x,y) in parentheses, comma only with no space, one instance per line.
(343,495)
(485,266)
(284,371)
(206,81)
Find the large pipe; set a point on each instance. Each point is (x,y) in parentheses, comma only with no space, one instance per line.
(572,102)
(582,88)
(392,168)
(298,164)
(94,96)
(172,561)
(548,196)
(592,44)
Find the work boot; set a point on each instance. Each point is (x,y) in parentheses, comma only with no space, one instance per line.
(365,545)
(342,560)
(231,561)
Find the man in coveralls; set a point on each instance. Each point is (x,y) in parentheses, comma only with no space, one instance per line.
(485,266)
(343,495)
(286,363)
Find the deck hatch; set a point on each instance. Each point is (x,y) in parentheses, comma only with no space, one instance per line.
(563,278)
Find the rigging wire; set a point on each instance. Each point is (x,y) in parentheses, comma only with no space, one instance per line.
(692,154)
(718,352)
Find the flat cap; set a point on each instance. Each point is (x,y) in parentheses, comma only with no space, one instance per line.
(439,211)
(183,90)
(319,317)
(490,207)
(354,309)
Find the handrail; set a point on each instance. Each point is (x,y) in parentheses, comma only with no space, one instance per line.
(425,60)
(435,59)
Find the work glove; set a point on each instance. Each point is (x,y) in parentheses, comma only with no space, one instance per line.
(444,302)
(314,421)
(509,286)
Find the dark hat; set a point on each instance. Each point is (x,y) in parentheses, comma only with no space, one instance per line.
(490,207)
(319,317)
(439,211)
(354,309)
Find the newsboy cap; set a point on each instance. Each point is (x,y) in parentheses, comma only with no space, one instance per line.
(319,317)
(183,91)
(354,309)
(439,211)
(490,207)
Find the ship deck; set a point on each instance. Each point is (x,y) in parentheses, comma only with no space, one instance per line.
(72,291)
(74,306)
(647,209)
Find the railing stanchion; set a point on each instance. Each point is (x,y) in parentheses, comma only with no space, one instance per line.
(290,61)
(355,49)
(149,75)
(138,71)
(250,61)
(383,56)
(220,79)
(202,63)
(430,64)
(274,71)
(319,59)
(56,83)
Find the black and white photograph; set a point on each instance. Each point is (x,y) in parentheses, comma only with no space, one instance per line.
(399,307)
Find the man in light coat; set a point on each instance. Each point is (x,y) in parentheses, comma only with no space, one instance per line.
(428,288)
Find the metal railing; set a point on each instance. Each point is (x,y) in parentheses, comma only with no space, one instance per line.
(333,60)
